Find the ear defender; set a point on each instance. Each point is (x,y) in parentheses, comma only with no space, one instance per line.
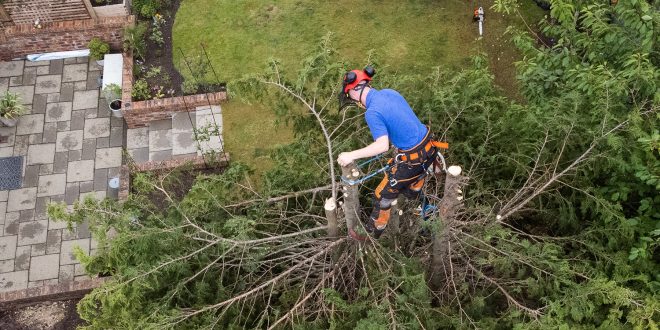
(369,70)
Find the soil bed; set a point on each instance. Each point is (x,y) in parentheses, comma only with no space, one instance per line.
(101,3)
(51,315)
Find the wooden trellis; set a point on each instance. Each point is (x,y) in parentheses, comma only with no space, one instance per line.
(43,11)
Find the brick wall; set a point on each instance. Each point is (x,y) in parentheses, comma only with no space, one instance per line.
(140,113)
(23,39)
(197,162)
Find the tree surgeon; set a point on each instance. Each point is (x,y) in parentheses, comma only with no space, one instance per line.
(390,120)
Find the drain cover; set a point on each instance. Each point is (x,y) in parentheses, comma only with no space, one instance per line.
(11,169)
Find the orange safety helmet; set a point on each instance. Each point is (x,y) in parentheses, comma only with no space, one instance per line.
(351,80)
(354,77)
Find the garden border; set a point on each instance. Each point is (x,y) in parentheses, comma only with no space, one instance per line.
(54,292)
(140,113)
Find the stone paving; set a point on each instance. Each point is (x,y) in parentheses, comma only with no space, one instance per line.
(71,147)
(171,138)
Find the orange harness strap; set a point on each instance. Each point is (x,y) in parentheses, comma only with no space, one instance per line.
(410,156)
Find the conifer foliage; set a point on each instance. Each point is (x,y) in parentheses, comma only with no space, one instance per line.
(558,228)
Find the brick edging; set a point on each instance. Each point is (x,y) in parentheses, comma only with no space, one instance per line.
(197,162)
(61,291)
(68,26)
(23,39)
(141,113)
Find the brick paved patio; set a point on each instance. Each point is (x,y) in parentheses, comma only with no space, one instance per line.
(71,147)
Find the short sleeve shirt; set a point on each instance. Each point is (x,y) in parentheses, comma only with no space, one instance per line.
(389,114)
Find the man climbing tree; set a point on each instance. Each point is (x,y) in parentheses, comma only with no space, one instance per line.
(390,119)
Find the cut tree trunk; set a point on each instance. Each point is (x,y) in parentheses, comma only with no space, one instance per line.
(351,204)
(451,203)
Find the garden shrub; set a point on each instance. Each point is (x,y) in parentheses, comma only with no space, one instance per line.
(140,90)
(98,48)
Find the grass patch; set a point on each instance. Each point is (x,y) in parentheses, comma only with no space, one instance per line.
(250,132)
(241,35)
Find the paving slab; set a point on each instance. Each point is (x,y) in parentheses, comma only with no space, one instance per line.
(13,281)
(22,258)
(54,241)
(11,223)
(38,249)
(48,84)
(13,68)
(51,185)
(8,247)
(43,70)
(61,162)
(97,127)
(66,92)
(108,157)
(56,67)
(50,133)
(30,124)
(32,232)
(74,72)
(116,137)
(139,155)
(82,170)
(183,143)
(29,76)
(60,111)
(26,93)
(41,207)
(72,192)
(98,195)
(41,154)
(158,156)
(53,97)
(69,140)
(66,272)
(21,199)
(103,142)
(160,140)
(137,138)
(66,255)
(6,151)
(4,85)
(44,267)
(16,81)
(85,99)
(21,144)
(3,211)
(7,265)
(39,103)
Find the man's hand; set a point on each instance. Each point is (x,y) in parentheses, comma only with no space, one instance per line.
(345,158)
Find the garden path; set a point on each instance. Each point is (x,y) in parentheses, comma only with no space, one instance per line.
(71,147)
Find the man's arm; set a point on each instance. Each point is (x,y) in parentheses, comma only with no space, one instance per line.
(382,144)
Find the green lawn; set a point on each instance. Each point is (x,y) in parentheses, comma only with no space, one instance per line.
(241,35)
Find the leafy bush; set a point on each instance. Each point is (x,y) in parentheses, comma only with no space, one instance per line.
(148,8)
(98,48)
(140,90)
(157,29)
(112,92)
(11,106)
(189,87)
(134,39)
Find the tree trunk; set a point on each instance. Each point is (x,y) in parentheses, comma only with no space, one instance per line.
(452,201)
(331,215)
(351,204)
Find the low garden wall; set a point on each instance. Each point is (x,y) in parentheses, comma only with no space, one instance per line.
(140,113)
(197,162)
(23,39)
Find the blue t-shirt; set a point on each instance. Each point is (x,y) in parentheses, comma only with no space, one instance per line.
(389,114)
